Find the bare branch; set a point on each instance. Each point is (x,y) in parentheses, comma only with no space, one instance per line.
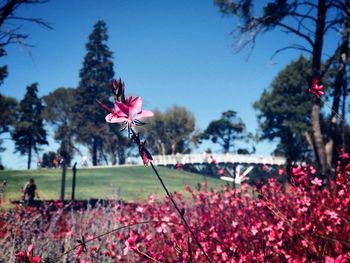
(304,16)
(332,24)
(330,61)
(33,20)
(307,3)
(10,32)
(295,46)
(336,4)
(296,32)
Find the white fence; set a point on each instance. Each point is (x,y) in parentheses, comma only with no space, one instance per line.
(217,158)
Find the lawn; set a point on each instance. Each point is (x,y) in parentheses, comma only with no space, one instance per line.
(128,183)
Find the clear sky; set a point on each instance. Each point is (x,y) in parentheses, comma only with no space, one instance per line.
(168,52)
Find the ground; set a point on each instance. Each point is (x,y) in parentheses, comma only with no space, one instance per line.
(128,183)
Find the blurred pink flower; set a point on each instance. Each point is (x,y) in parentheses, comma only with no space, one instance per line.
(27,256)
(342,154)
(317,181)
(298,171)
(316,89)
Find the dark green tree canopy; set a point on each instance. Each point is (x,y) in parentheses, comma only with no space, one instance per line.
(284,110)
(8,108)
(226,131)
(95,77)
(29,131)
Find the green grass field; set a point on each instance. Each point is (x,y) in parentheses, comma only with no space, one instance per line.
(133,183)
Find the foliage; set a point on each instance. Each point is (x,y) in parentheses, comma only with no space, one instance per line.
(29,132)
(311,23)
(284,111)
(95,75)
(225,131)
(59,112)
(304,221)
(3,69)
(49,160)
(171,132)
(7,114)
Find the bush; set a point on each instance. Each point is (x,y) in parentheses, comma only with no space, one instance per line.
(304,221)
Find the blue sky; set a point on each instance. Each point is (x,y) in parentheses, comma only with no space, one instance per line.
(168,52)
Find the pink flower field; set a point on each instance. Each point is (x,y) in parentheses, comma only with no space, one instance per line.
(302,221)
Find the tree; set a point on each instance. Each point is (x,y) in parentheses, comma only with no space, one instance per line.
(47,160)
(225,131)
(310,22)
(29,132)
(116,144)
(284,111)
(59,112)
(171,132)
(95,75)
(7,115)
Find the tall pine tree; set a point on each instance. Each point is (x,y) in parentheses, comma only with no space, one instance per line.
(95,76)
(29,132)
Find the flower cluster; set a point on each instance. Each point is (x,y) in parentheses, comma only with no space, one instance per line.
(303,221)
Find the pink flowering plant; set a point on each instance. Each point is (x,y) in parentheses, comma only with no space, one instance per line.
(297,222)
(129,111)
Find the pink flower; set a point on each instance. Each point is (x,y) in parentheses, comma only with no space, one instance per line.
(27,256)
(317,181)
(129,112)
(298,171)
(343,154)
(316,89)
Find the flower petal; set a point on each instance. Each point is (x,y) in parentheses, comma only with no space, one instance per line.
(114,118)
(121,107)
(104,106)
(144,114)
(135,105)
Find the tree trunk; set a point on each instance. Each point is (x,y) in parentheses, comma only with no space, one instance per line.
(29,154)
(318,140)
(316,108)
(338,85)
(94,152)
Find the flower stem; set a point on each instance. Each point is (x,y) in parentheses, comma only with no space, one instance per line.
(179,212)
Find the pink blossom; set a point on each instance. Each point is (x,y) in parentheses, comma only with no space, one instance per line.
(316,89)
(342,154)
(27,256)
(298,171)
(128,112)
(317,181)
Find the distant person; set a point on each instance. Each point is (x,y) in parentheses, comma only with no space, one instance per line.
(30,192)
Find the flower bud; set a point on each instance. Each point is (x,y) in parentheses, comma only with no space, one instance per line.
(118,88)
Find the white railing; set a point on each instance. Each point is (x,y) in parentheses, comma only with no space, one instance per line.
(217,158)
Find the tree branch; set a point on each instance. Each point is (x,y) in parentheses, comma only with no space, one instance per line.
(295,46)
(296,32)
(33,20)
